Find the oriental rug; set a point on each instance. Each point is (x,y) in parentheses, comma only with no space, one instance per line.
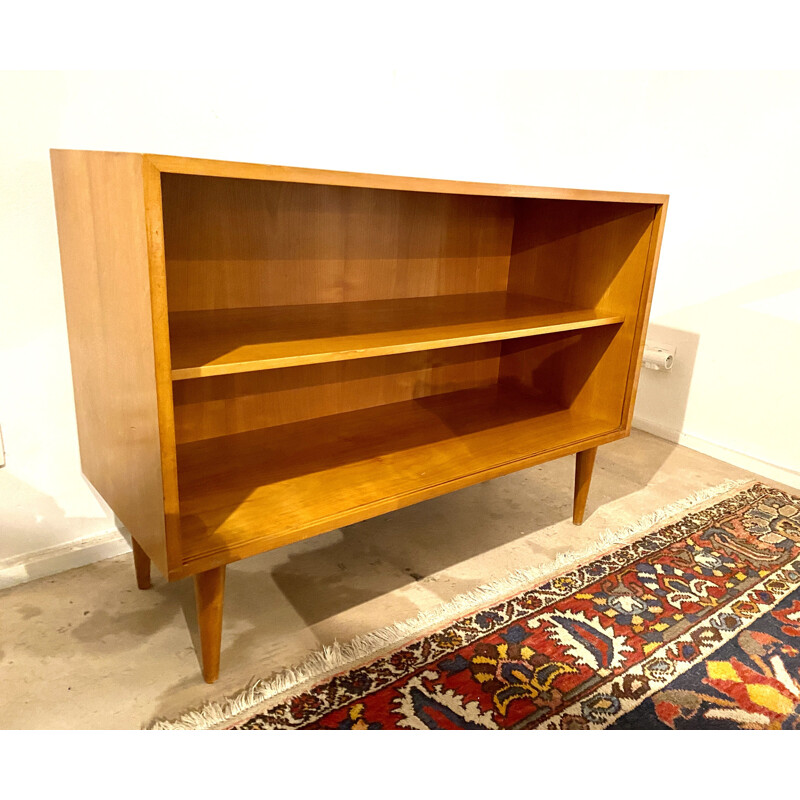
(695,624)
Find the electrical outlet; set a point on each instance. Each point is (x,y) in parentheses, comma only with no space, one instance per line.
(658,356)
(2,450)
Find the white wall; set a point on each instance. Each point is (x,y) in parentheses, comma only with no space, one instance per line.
(723,145)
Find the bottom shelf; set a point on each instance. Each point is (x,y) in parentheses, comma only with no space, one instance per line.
(249,492)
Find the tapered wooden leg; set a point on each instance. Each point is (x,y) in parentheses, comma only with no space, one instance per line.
(209,589)
(584,462)
(141,563)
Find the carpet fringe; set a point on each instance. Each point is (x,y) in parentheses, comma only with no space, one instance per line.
(334,658)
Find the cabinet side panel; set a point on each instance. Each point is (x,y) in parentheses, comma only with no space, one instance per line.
(594,255)
(558,366)
(102,237)
(646,301)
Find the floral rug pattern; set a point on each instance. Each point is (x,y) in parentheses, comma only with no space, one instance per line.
(694,625)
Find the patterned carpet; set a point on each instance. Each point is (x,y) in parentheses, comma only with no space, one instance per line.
(694,625)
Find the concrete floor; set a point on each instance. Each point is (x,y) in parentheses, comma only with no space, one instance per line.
(86,649)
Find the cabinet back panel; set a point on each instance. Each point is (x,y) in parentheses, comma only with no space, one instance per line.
(227,404)
(234,243)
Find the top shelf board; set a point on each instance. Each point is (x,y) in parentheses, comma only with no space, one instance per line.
(228,341)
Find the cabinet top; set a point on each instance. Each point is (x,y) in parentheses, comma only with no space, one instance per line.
(272,172)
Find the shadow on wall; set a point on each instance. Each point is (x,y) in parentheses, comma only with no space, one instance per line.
(35,530)
(663,395)
(744,396)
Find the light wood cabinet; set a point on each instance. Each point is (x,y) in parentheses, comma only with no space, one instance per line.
(261,354)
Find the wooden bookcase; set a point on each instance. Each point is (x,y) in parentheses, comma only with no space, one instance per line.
(261,354)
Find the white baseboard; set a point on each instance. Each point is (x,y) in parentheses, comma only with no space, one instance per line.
(62,557)
(774,472)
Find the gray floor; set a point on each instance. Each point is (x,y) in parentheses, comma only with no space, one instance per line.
(86,649)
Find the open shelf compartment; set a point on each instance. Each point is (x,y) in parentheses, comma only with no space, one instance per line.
(266,487)
(262,461)
(338,352)
(312,274)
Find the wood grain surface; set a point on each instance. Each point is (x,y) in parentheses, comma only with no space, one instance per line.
(254,491)
(100,210)
(227,341)
(266,172)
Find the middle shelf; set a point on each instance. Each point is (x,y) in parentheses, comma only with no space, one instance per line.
(233,340)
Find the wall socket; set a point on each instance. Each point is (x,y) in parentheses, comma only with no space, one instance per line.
(2,450)
(658,356)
